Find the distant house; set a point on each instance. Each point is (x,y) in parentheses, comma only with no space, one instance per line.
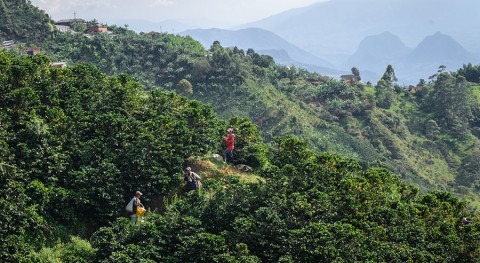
(62,28)
(59,64)
(350,79)
(8,43)
(96,29)
(31,50)
(69,22)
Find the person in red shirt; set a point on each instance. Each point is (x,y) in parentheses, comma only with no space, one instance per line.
(229,140)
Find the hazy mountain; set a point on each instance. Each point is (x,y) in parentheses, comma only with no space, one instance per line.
(334,29)
(435,50)
(257,39)
(282,57)
(440,48)
(376,52)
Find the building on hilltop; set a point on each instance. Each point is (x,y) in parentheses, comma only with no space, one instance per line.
(96,29)
(350,79)
(31,50)
(70,22)
(62,28)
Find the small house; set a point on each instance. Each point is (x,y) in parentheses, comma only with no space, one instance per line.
(31,50)
(350,79)
(96,29)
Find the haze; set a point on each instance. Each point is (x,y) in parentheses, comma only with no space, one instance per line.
(207,13)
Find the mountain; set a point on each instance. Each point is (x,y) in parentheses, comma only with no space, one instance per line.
(334,29)
(435,50)
(376,52)
(283,58)
(257,39)
(440,48)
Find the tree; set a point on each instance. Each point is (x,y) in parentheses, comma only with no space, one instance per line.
(389,76)
(432,130)
(356,73)
(470,72)
(184,87)
(385,92)
(450,103)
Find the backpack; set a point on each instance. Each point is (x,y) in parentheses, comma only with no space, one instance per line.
(129,206)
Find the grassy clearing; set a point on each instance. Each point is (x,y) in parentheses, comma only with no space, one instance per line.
(476,93)
(209,167)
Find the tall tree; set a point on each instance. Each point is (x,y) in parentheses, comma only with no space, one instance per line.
(356,73)
(385,88)
(450,104)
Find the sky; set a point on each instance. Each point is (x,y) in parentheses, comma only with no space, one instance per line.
(202,13)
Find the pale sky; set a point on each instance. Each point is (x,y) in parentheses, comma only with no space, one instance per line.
(220,13)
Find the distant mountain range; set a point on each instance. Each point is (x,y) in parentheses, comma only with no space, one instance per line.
(264,42)
(332,37)
(371,58)
(337,27)
(376,52)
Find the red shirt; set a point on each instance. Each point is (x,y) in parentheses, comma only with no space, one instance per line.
(230,141)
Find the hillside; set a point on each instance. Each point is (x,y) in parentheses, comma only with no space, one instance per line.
(329,115)
(22,21)
(76,142)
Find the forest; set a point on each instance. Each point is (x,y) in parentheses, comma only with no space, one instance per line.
(407,130)
(362,172)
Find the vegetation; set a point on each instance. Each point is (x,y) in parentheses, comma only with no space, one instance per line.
(76,142)
(21,21)
(401,128)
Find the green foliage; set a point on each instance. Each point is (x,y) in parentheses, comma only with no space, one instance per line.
(76,142)
(22,21)
(184,87)
(85,142)
(470,170)
(449,104)
(385,93)
(23,226)
(77,250)
(249,146)
(470,72)
(314,207)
